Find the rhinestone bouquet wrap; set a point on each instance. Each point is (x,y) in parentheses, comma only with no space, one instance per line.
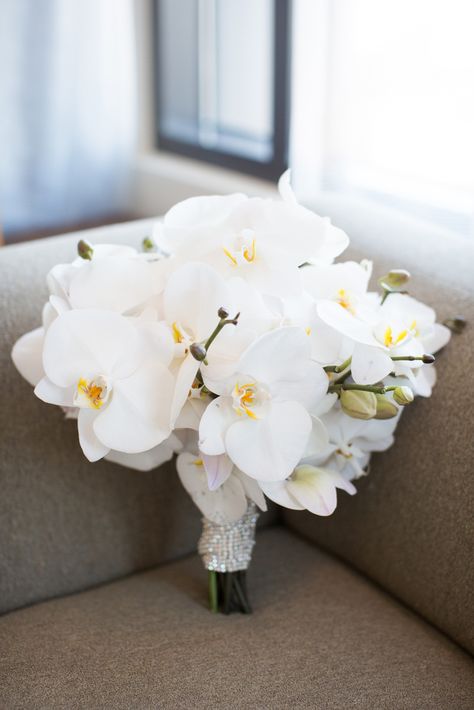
(226,551)
(228,547)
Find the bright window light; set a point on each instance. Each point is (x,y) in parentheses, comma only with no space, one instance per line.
(398,104)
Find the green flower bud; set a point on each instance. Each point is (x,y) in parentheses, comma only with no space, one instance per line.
(456,324)
(395,280)
(386,409)
(403,395)
(84,249)
(148,244)
(222,313)
(198,351)
(358,404)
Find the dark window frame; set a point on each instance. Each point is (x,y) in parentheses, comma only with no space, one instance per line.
(270,170)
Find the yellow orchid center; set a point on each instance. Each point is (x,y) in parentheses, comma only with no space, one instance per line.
(244,398)
(91,394)
(346,454)
(243,249)
(198,462)
(344,300)
(182,339)
(178,335)
(390,340)
(250,253)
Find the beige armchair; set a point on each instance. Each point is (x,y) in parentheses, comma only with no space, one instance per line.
(104,598)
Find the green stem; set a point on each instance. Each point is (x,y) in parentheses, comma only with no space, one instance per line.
(223,322)
(244,605)
(342,378)
(362,388)
(411,358)
(213,597)
(338,368)
(387,293)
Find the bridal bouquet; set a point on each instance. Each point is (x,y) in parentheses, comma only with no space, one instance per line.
(234,341)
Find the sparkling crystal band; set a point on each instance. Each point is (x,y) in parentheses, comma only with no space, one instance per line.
(228,548)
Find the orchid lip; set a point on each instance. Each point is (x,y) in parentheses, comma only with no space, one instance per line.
(243,250)
(249,398)
(92,393)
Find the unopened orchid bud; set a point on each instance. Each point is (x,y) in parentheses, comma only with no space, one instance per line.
(386,409)
(395,280)
(148,245)
(222,313)
(84,249)
(428,359)
(198,351)
(456,324)
(358,404)
(403,395)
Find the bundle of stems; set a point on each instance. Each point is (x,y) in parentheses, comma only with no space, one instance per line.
(228,592)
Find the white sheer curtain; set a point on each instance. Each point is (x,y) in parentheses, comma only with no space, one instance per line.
(384,104)
(67,109)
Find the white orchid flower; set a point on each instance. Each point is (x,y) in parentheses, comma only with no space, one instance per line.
(308,488)
(405,328)
(345,307)
(117,278)
(96,361)
(226,502)
(261,417)
(262,241)
(328,346)
(352,440)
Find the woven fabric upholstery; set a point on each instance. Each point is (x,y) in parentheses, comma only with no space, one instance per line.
(66,524)
(411,525)
(321,636)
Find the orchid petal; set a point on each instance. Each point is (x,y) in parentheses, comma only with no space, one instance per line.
(315,488)
(278,492)
(93,448)
(309,390)
(278,356)
(147,460)
(27,356)
(437,339)
(193,295)
(215,422)
(252,489)
(111,283)
(85,343)
(268,449)
(370,365)
(338,317)
(48,392)
(225,505)
(137,417)
(184,380)
(218,469)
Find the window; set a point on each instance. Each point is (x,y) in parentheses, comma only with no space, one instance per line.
(392,103)
(221,73)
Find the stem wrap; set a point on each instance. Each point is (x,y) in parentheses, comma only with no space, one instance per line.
(228,547)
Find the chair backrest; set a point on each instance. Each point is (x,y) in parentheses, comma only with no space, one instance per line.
(410,527)
(66,524)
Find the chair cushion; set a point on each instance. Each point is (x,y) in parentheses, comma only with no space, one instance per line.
(321,636)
